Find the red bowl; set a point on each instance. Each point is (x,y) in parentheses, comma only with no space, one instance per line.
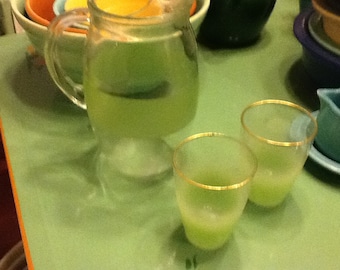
(40,11)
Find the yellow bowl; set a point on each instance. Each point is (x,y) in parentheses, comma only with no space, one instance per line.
(71,4)
(330,18)
(198,10)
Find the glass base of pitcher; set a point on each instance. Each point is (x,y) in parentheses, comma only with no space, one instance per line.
(136,158)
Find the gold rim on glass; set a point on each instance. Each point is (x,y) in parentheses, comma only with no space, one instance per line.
(210,187)
(309,139)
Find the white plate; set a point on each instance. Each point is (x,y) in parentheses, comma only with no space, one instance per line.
(315,27)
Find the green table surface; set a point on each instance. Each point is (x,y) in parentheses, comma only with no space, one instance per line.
(68,223)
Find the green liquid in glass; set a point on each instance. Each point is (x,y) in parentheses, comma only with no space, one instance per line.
(209,216)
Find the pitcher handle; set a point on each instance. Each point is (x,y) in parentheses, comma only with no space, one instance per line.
(57,28)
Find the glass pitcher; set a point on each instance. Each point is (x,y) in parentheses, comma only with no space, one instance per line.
(140,78)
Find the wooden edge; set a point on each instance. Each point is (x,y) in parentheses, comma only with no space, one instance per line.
(16,202)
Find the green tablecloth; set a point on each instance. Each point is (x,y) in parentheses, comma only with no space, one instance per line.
(67,223)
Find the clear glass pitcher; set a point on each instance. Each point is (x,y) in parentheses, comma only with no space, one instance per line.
(140,75)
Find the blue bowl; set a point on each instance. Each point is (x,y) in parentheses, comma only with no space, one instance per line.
(321,64)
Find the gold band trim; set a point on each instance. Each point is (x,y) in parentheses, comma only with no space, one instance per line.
(210,187)
(285,103)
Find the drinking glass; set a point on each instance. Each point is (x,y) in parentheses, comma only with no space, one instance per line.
(212,178)
(280,134)
(140,79)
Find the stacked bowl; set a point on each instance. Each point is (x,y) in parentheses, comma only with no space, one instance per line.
(318,31)
(35,15)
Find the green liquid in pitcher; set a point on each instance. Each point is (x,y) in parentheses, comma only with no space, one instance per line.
(139,89)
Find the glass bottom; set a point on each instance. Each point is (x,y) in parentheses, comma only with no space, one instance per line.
(134,158)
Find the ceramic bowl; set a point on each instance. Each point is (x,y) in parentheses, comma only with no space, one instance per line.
(330,12)
(36,32)
(320,63)
(201,11)
(72,43)
(196,18)
(40,11)
(59,7)
(315,27)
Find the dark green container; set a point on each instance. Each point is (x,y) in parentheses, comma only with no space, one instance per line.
(234,23)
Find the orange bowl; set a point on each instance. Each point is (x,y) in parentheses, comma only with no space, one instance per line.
(40,11)
(330,18)
(193,8)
